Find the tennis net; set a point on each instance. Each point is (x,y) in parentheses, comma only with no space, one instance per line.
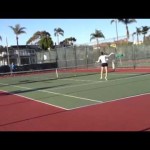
(54,73)
(74,71)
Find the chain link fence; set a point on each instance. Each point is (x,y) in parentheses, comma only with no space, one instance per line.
(85,56)
(128,53)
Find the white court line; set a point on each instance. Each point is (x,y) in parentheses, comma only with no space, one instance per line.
(73,86)
(103,102)
(76,80)
(36,100)
(87,99)
(127,97)
(96,82)
(123,73)
(92,82)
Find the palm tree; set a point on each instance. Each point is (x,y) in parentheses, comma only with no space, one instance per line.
(64,43)
(68,41)
(36,36)
(144,31)
(72,39)
(42,38)
(57,32)
(98,34)
(17,30)
(46,42)
(138,32)
(133,36)
(115,20)
(126,22)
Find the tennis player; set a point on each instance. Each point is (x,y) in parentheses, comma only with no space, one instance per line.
(104,64)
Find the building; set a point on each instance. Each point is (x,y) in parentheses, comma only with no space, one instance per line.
(21,55)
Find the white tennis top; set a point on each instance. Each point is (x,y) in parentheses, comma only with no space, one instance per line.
(103,59)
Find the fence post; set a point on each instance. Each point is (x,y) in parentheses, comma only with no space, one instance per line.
(134,63)
(86,57)
(56,57)
(75,56)
(65,56)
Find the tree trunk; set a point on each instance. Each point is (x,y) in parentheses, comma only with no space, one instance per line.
(58,39)
(18,51)
(98,45)
(127,33)
(137,38)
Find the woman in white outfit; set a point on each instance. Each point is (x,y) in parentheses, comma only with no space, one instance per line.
(104,64)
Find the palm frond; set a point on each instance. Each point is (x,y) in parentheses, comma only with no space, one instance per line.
(112,21)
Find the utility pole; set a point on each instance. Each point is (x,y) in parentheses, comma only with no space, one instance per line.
(116,28)
(7,52)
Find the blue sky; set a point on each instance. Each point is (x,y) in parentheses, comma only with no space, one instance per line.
(78,28)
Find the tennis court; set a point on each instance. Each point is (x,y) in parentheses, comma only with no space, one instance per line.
(75,100)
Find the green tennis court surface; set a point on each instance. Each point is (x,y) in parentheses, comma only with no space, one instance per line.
(77,91)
